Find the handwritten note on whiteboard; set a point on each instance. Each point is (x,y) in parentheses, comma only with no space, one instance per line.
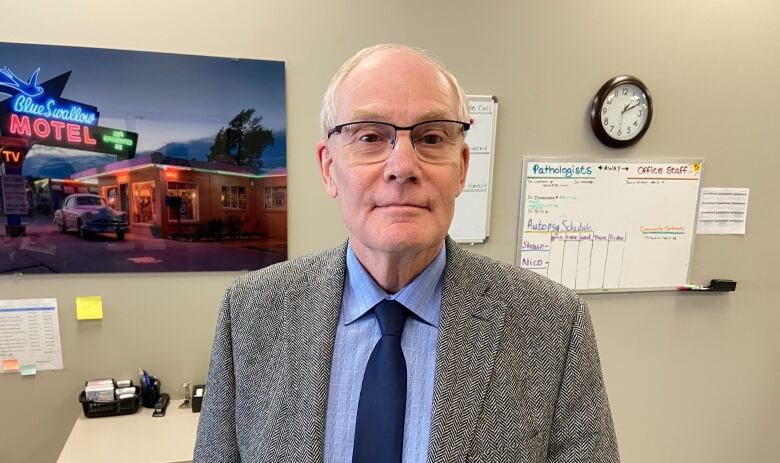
(600,225)
(471,221)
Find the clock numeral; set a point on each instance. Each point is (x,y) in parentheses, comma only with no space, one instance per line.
(628,130)
(636,123)
(620,132)
(604,111)
(640,113)
(609,101)
(625,91)
(606,120)
(611,127)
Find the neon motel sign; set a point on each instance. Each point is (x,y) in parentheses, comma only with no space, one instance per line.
(44,129)
(51,110)
(37,113)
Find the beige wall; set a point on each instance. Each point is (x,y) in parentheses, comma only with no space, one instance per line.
(691,377)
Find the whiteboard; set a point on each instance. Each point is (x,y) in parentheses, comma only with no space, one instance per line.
(599,225)
(471,221)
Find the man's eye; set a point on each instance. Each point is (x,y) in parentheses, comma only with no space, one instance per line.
(431,139)
(370,138)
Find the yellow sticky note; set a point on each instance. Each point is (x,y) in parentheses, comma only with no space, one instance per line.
(10,365)
(89,308)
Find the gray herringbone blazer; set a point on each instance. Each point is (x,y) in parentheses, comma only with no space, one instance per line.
(517,375)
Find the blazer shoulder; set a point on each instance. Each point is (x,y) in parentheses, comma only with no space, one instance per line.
(517,286)
(274,280)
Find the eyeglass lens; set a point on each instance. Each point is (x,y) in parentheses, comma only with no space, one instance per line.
(372,140)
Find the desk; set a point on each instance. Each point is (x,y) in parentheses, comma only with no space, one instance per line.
(137,438)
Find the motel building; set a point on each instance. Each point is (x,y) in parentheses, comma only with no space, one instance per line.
(145,185)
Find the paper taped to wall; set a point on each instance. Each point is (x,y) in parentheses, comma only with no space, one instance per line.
(30,333)
(722,211)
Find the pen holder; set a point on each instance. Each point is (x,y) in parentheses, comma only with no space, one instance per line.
(149,395)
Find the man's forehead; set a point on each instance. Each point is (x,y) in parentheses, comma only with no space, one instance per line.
(394,81)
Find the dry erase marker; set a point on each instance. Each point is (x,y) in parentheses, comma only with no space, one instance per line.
(716,285)
(693,288)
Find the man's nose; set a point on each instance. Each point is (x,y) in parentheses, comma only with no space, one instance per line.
(403,164)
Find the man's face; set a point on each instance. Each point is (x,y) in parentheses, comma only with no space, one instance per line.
(404,203)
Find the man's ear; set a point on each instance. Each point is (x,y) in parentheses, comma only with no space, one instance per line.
(465,156)
(325,162)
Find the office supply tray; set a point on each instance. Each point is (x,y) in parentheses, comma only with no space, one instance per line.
(115,407)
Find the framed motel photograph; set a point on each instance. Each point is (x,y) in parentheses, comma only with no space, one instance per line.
(128,161)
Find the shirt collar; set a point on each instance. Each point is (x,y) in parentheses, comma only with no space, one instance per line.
(422,295)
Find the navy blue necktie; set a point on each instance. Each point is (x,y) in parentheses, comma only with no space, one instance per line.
(379,429)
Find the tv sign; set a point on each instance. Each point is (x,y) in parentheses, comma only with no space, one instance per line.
(12,151)
(12,157)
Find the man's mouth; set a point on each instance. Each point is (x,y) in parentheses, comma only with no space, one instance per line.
(400,206)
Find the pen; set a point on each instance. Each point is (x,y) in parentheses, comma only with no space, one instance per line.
(144,376)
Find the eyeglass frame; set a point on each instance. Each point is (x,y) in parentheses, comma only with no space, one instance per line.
(337,129)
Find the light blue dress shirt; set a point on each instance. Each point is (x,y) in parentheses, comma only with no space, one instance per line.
(356,335)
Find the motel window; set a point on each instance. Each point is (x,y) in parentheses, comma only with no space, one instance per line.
(188,192)
(233,197)
(144,202)
(275,197)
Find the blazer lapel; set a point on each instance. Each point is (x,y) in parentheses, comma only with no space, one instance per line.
(313,313)
(470,330)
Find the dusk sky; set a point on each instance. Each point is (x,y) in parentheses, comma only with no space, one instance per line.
(163,97)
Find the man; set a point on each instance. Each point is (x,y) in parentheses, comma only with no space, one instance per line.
(399,345)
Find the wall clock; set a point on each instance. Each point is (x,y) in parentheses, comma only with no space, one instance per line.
(621,111)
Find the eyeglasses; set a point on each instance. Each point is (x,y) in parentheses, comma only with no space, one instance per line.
(370,141)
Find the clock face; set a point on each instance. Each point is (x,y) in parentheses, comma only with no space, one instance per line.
(624,112)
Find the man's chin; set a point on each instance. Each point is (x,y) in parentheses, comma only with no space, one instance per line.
(399,240)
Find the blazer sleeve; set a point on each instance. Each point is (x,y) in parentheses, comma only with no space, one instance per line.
(216,439)
(582,428)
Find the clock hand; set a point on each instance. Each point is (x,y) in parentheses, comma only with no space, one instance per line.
(632,107)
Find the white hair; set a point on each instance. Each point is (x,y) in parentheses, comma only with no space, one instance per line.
(328,111)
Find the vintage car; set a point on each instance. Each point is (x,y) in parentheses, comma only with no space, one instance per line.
(87,213)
